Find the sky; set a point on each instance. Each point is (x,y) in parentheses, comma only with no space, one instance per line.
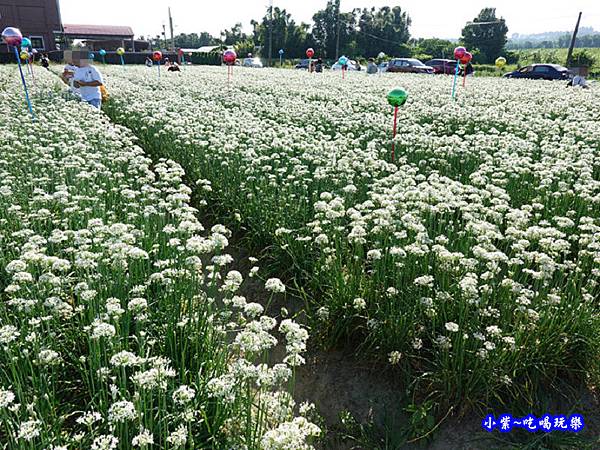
(430,18)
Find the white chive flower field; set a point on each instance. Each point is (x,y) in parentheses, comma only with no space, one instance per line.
(471,263)
(121,324)
(467,266)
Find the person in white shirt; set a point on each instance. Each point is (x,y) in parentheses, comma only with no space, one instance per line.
(87,79)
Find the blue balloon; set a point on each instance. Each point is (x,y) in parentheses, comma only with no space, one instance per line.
(281,52)
(102,52)
(25,43)
(343,60)
(92,56)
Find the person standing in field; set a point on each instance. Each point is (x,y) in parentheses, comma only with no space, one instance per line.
(88,80)
(319,66)
(45,62)
(372,67)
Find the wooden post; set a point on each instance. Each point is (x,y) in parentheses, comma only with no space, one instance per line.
(573,39)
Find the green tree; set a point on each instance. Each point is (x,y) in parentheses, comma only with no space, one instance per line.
(330,25)
(437,48)
(245,47)
(298,40)
(234,35)
(486,33)
(384,30)
(194,40)
(287,35)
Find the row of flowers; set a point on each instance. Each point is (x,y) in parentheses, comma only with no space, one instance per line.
(471,263)
(122,324)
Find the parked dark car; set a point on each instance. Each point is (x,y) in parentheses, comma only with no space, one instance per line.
(303,64)
(408,65)
(445,66)
(541,72)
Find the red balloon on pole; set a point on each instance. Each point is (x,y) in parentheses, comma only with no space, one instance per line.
(310,53)
(229,57)
(459,52)
(157,56)
(466,58)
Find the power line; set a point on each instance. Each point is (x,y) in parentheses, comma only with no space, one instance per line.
(485,23)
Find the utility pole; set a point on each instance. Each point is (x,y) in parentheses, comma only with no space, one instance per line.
(164,34)
(270,31)
(573,39)
(171,26)
(337,43)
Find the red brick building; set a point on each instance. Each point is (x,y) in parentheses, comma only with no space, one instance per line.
(39,20)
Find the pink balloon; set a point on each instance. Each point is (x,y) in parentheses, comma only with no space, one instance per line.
(459,52)
(229,57)
(12,36)
(466,59)
(310,53)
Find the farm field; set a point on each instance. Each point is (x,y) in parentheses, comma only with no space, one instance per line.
(469,265)
(121,324)
(466,267)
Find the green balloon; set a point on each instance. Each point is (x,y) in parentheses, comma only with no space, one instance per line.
(397,97)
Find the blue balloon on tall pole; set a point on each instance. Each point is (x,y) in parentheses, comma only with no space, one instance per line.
(281,52)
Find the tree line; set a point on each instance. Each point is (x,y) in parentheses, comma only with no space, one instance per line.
(360,33)
(588,40)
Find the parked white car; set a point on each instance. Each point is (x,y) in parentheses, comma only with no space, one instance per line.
(253,62)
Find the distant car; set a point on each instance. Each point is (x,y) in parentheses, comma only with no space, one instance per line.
(352,65)
(541,72)
(303,64)
(253,62)
(408,65)
(442,66)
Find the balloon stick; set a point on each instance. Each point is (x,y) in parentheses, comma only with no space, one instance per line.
(394,136)
(31,67)
(396,98)
(455,77)
(24,83)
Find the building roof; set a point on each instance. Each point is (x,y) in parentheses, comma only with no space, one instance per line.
(97,30)
(208,48)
